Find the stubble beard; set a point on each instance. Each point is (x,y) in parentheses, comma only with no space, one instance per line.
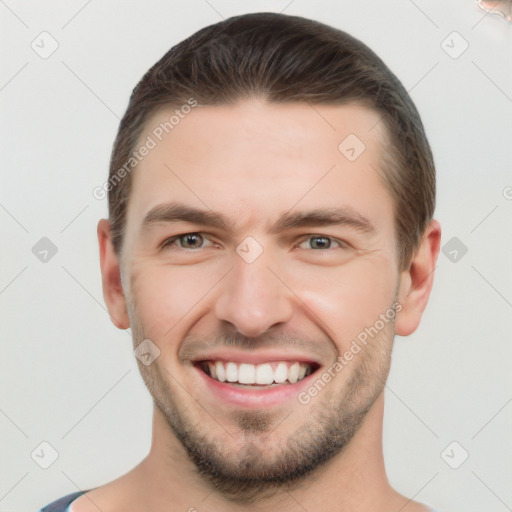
(248,475)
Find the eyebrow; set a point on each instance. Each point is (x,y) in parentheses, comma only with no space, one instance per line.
(180,212)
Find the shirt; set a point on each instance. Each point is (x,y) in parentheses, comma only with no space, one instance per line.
(62,504)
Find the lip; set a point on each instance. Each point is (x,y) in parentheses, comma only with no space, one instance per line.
(267,356)
(252,398)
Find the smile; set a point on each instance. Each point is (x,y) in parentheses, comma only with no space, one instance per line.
(265,374)
(253,379)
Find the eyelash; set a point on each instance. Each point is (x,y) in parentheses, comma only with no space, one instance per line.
(169,241)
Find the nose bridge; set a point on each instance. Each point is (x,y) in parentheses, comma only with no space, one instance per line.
(252,297)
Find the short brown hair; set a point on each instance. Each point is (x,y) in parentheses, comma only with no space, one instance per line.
(285,58)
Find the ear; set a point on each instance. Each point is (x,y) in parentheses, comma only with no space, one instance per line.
(111,278)
(416,282)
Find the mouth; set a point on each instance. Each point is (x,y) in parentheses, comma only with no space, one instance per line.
(252,376)
(257,384)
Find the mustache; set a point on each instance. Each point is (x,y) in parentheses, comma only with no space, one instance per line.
(192,346)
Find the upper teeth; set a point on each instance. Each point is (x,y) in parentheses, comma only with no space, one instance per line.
(266,373)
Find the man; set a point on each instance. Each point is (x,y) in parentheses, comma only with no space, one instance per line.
(296,166)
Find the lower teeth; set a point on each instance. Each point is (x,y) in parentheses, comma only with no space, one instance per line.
(250,386)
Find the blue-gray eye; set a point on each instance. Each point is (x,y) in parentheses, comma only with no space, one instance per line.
(319,242)
(325,242)
(191,241)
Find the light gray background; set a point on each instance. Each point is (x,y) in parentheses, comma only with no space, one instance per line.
(68,376)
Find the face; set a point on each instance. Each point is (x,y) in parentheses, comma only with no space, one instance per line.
(255,256)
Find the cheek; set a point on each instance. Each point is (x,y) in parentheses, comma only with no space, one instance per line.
(349,299)
(163,296)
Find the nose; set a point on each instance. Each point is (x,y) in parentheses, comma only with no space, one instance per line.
(253,298)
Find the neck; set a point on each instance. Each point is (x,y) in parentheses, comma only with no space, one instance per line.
(356,477)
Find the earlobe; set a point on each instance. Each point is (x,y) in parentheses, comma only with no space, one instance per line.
(416,282)
(113,293)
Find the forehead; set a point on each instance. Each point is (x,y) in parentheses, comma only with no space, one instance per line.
(253,160)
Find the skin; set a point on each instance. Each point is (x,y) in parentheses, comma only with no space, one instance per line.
(253,162)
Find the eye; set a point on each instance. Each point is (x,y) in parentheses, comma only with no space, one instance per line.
(185,241)
(321,242)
